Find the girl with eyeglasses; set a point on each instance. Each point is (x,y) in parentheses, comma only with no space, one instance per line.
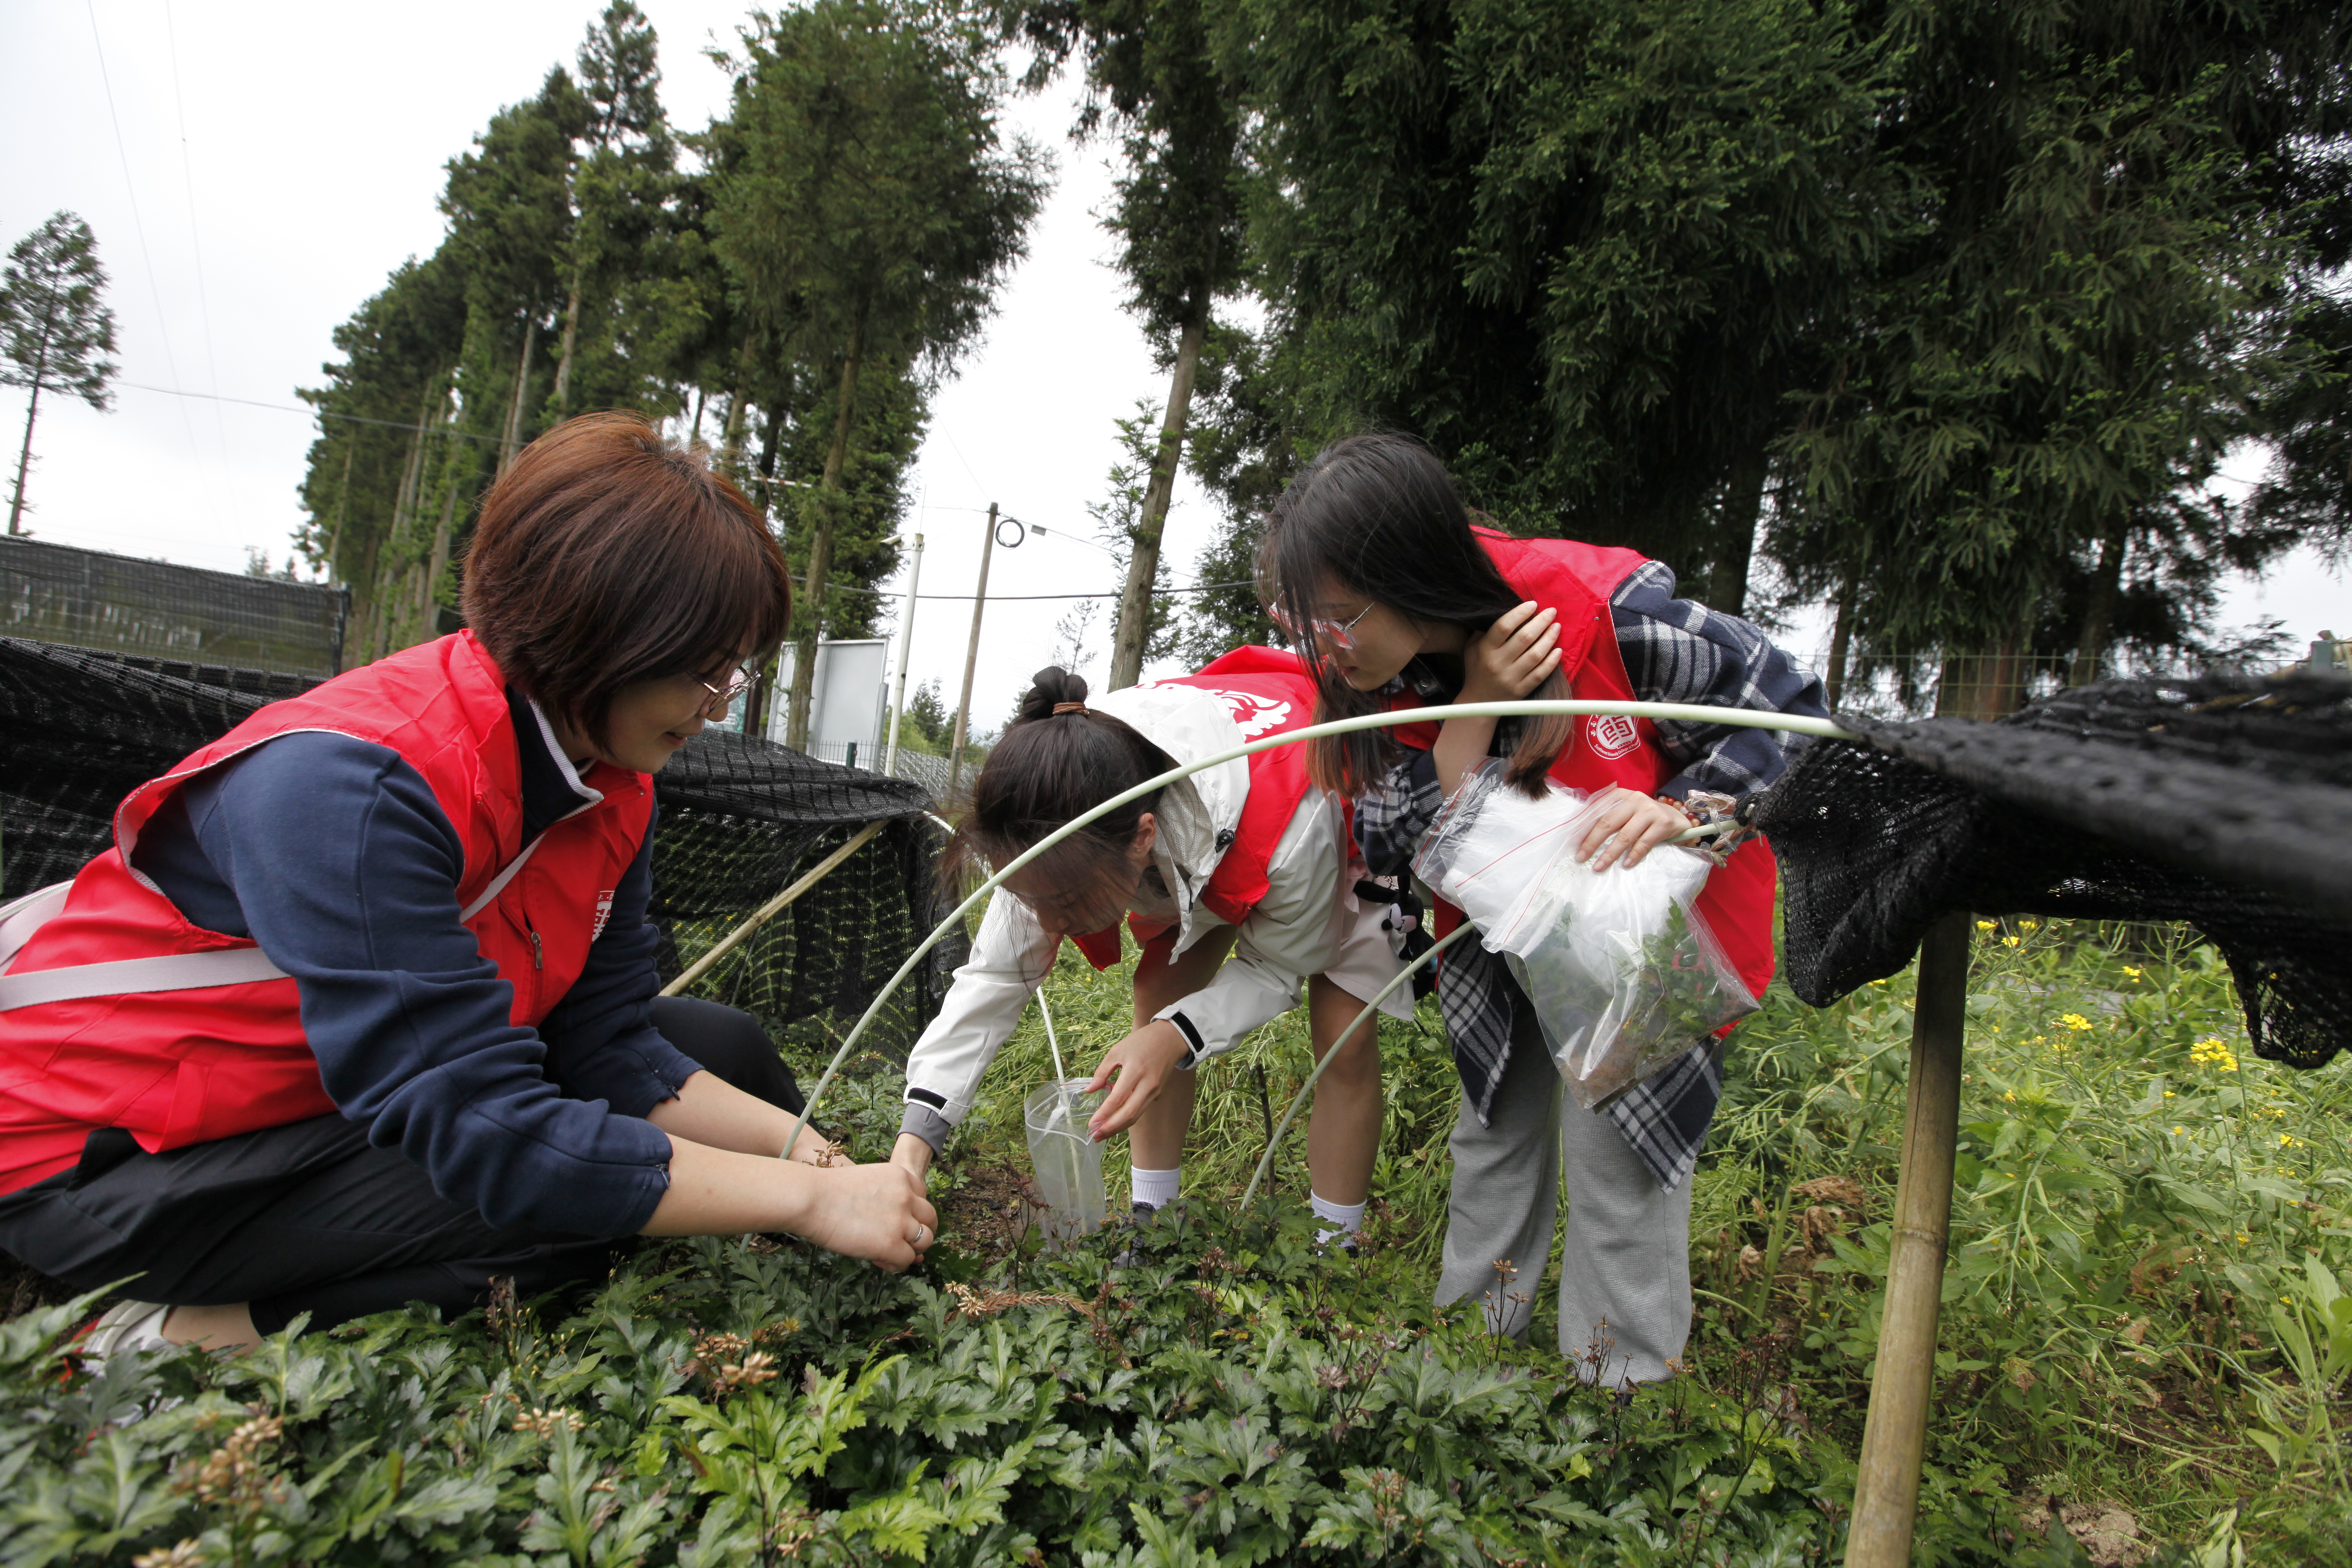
(360,1009)
(1401,599)
(1238,882)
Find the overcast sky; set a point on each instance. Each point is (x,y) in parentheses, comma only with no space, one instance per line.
(254,170)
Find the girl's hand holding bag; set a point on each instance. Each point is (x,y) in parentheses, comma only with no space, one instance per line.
(1623,972)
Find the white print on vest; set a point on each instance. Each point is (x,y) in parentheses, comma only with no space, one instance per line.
(604,913)
(1611,734)
(1254,715)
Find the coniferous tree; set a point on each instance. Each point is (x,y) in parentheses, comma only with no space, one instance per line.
(865,210)
(56,329)
(1152,80)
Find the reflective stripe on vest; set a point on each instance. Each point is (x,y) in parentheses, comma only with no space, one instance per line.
(165,971)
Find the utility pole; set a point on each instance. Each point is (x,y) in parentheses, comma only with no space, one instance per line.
(970,658)
(905,646)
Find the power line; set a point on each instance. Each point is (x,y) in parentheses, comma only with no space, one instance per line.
(197,246)
(138,225)
(320,413)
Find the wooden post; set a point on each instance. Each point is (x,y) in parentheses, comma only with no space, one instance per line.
(1894,1436)
(970,660)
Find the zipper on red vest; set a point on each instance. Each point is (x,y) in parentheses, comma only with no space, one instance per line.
(538,954)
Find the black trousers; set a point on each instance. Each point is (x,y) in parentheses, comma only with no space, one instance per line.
(310,1217)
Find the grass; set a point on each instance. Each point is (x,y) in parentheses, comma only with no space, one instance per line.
(2149,1228)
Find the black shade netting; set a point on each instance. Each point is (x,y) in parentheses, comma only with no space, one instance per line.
(740,820)
(2221,801)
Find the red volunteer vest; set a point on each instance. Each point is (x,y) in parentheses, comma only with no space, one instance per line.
(176,1067)
(1268,692)
(1576,580)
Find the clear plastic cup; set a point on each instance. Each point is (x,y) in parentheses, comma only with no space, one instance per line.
(1067,1162)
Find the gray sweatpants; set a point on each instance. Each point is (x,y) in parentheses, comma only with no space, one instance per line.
(1624,1281)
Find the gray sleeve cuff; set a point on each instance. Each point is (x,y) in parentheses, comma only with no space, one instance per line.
(926,1124)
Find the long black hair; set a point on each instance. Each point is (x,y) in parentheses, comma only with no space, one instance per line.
(1378,515)
(1050,767)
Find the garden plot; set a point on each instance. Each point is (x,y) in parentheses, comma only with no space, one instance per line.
(2141,1344)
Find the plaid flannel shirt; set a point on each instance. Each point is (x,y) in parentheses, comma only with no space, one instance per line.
(1675,650)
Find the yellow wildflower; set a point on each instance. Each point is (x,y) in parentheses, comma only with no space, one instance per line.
(2179,1130)
(2211,1049)
(2289,1141)
(2074,1021)
(1984,925)
(2028,925)
(2009,941)
(2128,970)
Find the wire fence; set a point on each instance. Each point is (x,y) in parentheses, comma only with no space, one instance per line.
(182,614)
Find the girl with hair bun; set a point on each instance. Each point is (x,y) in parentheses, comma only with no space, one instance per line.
(1400,600)
(1239,881)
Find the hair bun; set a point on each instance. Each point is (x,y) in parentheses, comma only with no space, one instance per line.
(1047,688)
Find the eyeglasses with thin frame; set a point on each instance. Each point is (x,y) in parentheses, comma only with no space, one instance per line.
(739,680)
(1340,635)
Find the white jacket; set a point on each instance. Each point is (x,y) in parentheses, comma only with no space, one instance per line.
(1293,933)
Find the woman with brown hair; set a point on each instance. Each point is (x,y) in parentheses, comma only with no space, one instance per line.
(360,1007)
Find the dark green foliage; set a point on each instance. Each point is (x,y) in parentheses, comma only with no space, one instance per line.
(1233,1398)
(1959,300)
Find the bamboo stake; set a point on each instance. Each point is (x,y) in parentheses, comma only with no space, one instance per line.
(769,910)
(1902,1391)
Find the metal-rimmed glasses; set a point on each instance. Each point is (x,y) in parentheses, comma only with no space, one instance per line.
(1340,635)
(738,681)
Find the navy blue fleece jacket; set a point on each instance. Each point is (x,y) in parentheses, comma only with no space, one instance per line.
(333,856)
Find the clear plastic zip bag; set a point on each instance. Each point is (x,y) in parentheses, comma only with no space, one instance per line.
(1622,968)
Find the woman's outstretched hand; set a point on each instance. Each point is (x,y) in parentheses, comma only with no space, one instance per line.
(875,1212)
(1511,658)
(1631,825)
(1142,1062)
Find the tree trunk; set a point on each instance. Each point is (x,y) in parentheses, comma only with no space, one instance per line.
(1841,642)
(810,619)
(731,443)
(2099,614)
(764,684)
(1984,684)
(32,410)
(24,458)
(571,337)
(1133,634)
(1743,503)
(700,395)
(343,510)
(440,564)
(513,441)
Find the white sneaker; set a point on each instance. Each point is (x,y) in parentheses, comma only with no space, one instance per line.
(126,1325)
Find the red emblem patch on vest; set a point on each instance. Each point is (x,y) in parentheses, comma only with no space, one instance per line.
(1611,734)
(604,913)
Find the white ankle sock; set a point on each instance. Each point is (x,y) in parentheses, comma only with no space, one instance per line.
(1156,1188)
(1339,1219)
